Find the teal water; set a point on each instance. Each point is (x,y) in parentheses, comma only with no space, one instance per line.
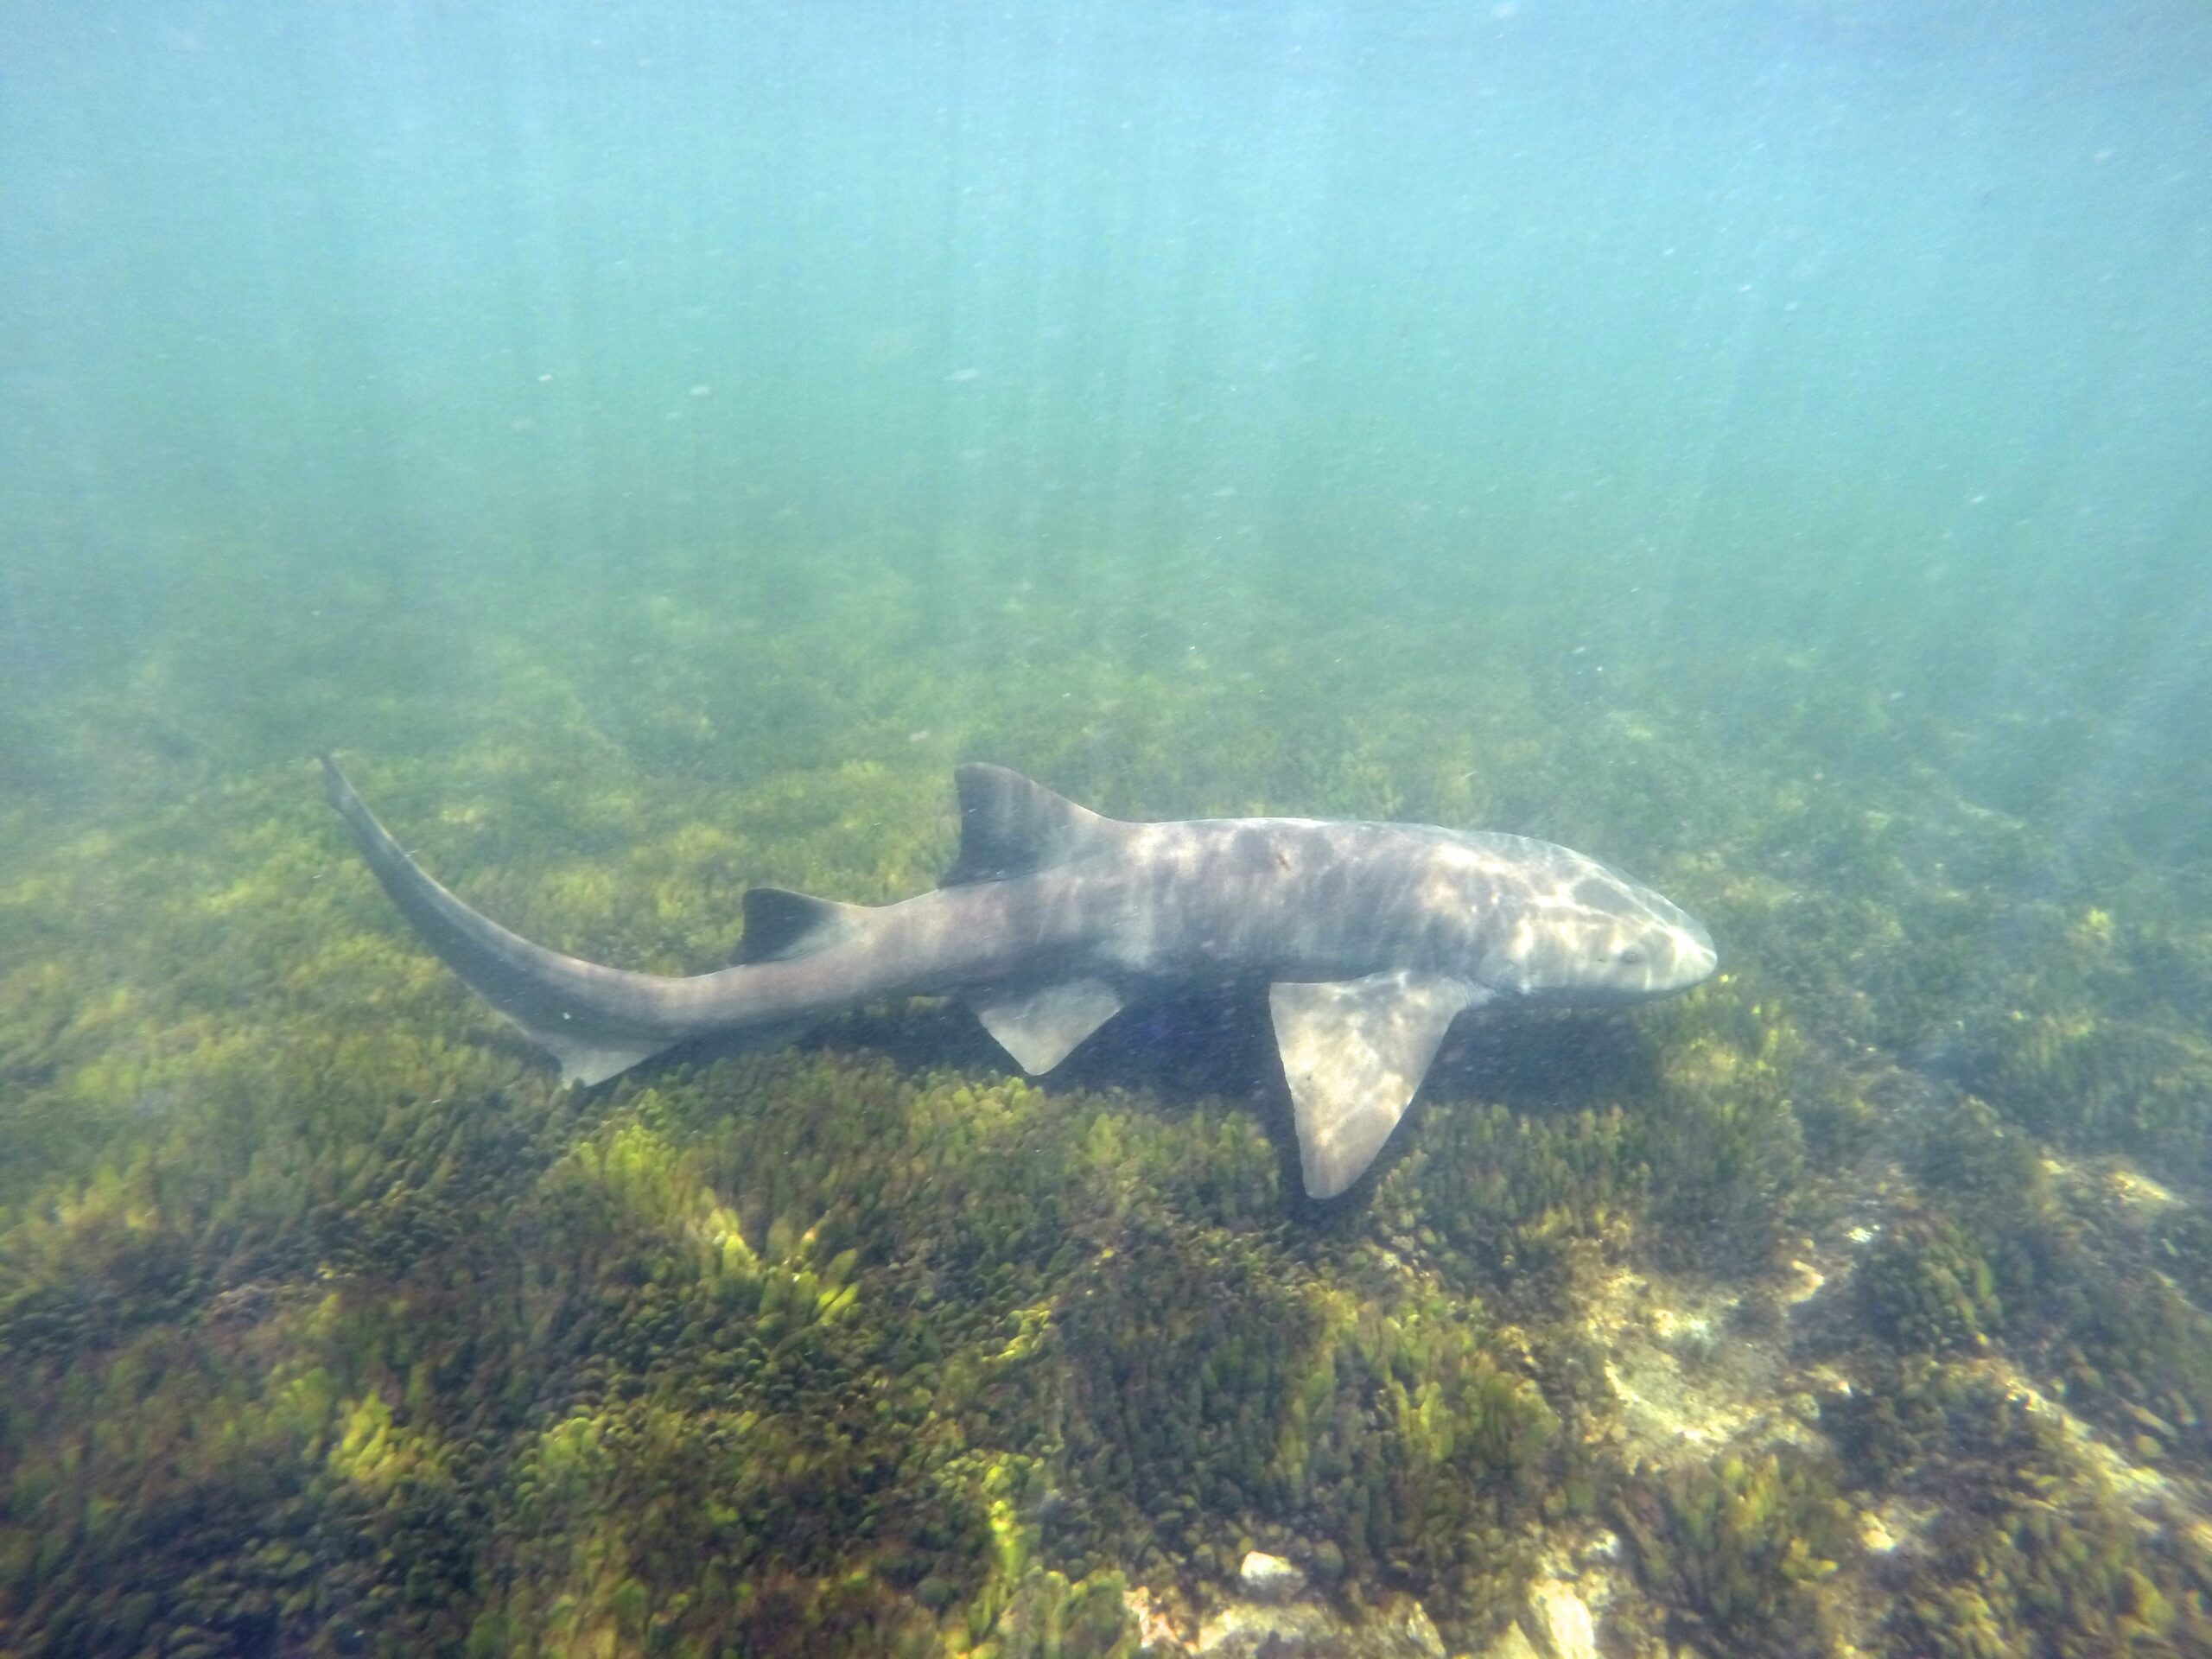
(1699,332)
(1762,445)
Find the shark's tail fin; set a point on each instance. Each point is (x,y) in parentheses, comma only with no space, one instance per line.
(595,1021)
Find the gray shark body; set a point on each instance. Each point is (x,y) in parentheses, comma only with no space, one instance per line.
(1370,939)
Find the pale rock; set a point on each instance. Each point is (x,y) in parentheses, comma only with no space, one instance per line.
(1399,1630)
(1245,1629)
(1405,1630)
(1513,1644)
(1564,1629)
(1269,1578)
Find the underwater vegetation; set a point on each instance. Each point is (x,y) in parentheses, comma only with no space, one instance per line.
(329,1326)
(2027,1547)
(1738,1549)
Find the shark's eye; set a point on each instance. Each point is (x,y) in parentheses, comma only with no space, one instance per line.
(1630,957)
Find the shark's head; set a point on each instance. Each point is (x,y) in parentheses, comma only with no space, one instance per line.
(1591,936)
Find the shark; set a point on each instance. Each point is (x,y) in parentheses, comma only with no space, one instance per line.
(1369,938)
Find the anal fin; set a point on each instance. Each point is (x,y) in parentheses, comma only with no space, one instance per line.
(590,1056)
(1353,1052)
(1040,1028)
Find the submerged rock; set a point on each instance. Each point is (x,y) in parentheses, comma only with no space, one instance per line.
(1400,1629)
(1563,1627)
(1269,1578)
(1513,1644)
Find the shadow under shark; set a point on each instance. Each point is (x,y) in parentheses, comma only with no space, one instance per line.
(1370,939)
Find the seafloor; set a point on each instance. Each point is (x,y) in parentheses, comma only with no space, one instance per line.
(1854,1304)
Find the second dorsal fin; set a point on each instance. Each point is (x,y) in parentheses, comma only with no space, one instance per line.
(781,924)
(1011,826)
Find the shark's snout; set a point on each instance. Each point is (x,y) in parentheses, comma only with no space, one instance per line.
(1677,946)
(1693,953)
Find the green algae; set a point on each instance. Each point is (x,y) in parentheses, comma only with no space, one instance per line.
(2085,1266)
(693,1377)
(1925,1288)
(1740,1550)
(700,1398)
(2029,1550)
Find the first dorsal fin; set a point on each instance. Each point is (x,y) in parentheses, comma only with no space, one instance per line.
(781,924)
(1011,826)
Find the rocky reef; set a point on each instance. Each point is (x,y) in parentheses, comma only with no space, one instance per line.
(1854,1304)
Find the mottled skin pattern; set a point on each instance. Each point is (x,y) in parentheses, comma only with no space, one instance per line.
(1294,898)
(1049,897)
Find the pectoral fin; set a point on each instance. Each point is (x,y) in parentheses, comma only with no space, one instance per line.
(1353,1053)
(1040,1028)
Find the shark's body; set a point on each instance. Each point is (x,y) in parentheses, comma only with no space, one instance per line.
(1371,936)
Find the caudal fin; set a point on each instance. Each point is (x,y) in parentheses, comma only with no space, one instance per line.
(595,1021)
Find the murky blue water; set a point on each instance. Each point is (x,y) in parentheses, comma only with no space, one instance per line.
(1879,331)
